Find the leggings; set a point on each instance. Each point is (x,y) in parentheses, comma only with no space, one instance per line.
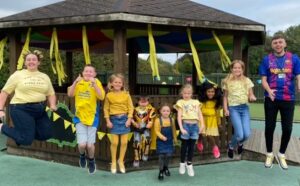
(187,147)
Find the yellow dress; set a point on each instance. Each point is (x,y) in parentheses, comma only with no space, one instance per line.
(211,118)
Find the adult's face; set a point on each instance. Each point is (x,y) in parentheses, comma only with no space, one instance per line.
(31,62)
(278,46)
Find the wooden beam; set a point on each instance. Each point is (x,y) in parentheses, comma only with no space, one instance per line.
(14,51)
(120,58)
(132,68)
(69,66)
(237,46)
(245,59)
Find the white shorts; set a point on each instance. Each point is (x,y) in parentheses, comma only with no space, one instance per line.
(85,134)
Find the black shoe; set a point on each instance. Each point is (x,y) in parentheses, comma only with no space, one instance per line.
(161,175)
(230,153)
(82,161)
(167,172)
(92,166)
(240,149)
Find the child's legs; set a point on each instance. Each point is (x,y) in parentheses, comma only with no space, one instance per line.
(191,146)
(113,148)
(184,146)
(211,140)
(167,159)
(81,135)
(91,139)
(245,123)
(124,141)
(236,120)
(161,161)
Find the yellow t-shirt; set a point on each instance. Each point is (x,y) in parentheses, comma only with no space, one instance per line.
(190,108)
(86,101)
(118,103)
(238,91)
(28,86)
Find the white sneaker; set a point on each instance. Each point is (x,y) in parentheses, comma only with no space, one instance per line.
(269,160)
(182,168)
(281,161)
(190,170)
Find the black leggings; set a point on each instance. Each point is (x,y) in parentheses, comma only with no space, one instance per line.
(187,147)
(286,109)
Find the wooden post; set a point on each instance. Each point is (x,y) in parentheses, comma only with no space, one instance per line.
(69,67)
(245,59)
(237,46)
(132,69)
(14,51)
(120,58)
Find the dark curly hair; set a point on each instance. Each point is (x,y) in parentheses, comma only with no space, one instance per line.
(217,97)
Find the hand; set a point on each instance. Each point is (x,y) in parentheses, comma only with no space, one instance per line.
(252,98)
(53,108)
(2,114)
(79,78)
(148,126)
(226,112)
(128,122)
(93,81)
(183,131)
(272,94)
(202,128)
(164,138)
(109,124)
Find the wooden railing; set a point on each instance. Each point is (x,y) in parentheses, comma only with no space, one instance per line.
(66,154)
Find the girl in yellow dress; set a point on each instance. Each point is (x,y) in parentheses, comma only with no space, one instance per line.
(211,98)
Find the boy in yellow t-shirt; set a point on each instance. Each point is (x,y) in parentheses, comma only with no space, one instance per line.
(87,91)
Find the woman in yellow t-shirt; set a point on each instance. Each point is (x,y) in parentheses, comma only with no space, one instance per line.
(31,89)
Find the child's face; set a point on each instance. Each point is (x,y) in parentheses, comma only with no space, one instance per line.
(237,70)
(117,84)
(165,111)
(88,73)
(210,93)
(143,102)
(187,93)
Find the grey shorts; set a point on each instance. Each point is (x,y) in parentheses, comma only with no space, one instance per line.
(85,134)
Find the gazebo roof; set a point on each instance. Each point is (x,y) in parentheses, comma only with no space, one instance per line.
(169,17)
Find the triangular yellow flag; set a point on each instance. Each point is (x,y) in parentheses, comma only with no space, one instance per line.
(55,116)
(100,135)
(67,124)
(47,108)
(73,128)
(109,137)
(130,136)
(177,132)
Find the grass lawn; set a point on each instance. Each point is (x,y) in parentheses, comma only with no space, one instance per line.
(257,112)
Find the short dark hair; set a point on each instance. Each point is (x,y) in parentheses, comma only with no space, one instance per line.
(278,36)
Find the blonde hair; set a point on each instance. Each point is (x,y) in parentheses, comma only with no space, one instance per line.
(186,86)
(37,53)
(230,76)
(112,78)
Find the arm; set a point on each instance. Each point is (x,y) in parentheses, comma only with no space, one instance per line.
(130,111)
(52,102)
(251,95)
(98,88)
(225,103)
(174,131)
(266,86)
(157,130)
(298,82)
(179,120)
(3,98)
(106,113)
(201,121)
(71,89)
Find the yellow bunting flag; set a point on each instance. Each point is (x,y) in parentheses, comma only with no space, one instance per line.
(67,124)
(2,45)
(152,54)
(55,116)
(73,128)
(130,136)
(195,56)
(109,137)
(225,61)
(85,45)
(177,132)
(59,68)
(24,50)
(100,135)
(47,108)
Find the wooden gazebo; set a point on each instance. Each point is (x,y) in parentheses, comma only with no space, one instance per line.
(120,27)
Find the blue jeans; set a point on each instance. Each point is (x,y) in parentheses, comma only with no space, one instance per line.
(192,131)
(240,119)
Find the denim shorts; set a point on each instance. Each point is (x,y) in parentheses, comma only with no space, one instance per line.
(119,126)
(192,131)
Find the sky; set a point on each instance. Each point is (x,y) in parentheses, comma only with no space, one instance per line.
(275,14)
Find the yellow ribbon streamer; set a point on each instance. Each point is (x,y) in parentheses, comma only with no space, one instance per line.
(24,50)
(85,44)
(2,45)
(59,68)
(152,54)
(225,61)
(195,56)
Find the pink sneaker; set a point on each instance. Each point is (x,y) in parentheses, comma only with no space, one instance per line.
(216,151)
(200,146)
